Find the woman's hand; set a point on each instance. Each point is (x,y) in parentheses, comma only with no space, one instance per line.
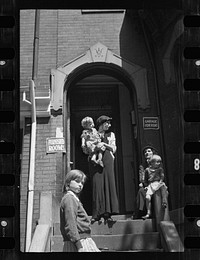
(141,174)
(101,146)
(107,146)
(79,246)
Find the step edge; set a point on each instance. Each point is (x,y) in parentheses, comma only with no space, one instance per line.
(117,235)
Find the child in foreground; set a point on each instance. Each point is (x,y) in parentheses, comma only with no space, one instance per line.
(155,178)
(74,221)
(90,141)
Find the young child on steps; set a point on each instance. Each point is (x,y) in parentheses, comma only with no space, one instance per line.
(74,221)
(155,177)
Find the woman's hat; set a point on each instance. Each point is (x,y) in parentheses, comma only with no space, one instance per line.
(149,146)
(102,119)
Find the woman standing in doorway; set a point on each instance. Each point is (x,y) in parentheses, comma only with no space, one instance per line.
(104,200)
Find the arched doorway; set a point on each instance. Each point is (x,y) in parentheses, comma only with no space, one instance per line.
(93,90)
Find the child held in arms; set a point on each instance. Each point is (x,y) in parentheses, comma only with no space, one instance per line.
(91,141)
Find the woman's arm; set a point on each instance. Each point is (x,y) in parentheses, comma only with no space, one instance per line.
(162,176)
(146,177)
(111,145)
(141,175)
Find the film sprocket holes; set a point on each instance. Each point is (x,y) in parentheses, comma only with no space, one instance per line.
(9,235)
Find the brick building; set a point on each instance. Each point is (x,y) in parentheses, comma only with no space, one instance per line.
(122,63)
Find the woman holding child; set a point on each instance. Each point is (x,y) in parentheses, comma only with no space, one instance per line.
(104,195)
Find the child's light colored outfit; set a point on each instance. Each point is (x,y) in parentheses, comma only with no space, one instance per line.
(92,138)
(87,244)
(75,225)
(155,179)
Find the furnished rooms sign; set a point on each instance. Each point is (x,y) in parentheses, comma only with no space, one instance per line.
(55,144)
(151,123)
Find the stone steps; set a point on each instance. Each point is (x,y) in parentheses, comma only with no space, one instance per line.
(123,234)
(157,250)
(147,241)
(122,242)
(116,227)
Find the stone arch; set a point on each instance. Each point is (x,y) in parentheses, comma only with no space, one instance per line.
(119,79)
(167,66)
(89,69)
(99,53)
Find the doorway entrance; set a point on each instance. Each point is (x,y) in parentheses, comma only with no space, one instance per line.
(103,95)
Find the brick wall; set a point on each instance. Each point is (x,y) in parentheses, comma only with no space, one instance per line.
(47,170)
(27,20)
(48,173)
(64,35)
(77,32)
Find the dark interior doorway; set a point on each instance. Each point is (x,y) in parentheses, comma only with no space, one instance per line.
(94,101)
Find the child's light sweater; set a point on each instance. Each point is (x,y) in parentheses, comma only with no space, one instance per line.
(74,221)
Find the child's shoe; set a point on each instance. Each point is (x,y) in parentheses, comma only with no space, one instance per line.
(94,219)
(164,203)
(148,215)
(94,161)
(100,163)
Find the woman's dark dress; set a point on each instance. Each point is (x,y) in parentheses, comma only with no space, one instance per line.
(104,195)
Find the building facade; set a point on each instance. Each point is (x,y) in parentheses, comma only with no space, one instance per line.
(122,63)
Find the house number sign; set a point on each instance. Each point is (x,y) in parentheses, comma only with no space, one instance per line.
(55,144)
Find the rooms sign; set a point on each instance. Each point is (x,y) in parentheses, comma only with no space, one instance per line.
(55,144)
(151,123)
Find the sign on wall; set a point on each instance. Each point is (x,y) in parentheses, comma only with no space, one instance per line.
(55,144)
(150,123)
